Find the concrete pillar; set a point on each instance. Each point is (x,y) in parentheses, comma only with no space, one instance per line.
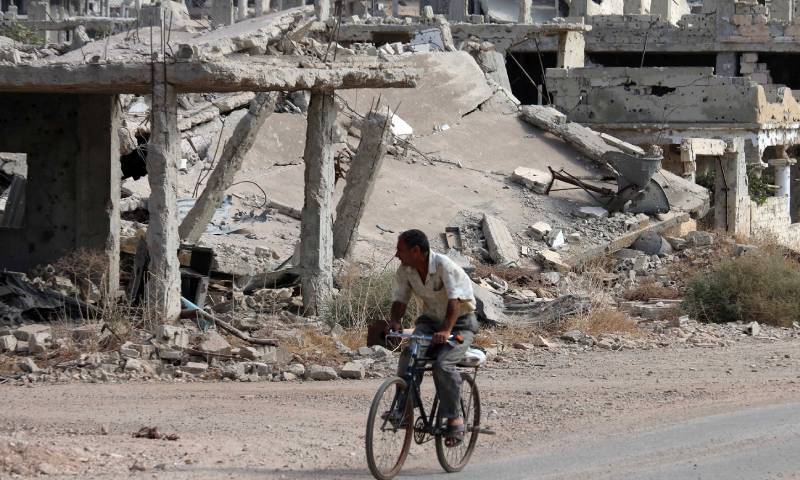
(316,229)
(636,7)
(731,198)
(38,12)
(364,168)
(242,10)
(727,64)
(688,161)
(456,10)
(571,46)
(98,187)
(11,12)
(222,12)
(323,10)
(260,8)
(525,8)
(163,151)
(395,8)
(783,173)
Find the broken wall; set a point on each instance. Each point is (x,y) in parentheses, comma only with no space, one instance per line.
(72,195)
(772,220)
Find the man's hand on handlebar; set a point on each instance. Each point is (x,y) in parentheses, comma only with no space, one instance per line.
(440,337)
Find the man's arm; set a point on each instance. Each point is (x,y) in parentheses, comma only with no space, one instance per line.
(449,322)
(398,310)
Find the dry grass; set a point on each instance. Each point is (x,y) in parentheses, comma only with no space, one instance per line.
(314,347)
(604,320)
(646,291)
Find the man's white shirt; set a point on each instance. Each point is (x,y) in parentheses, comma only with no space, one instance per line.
(445,281)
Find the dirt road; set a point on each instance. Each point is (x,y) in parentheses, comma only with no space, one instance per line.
(554,401)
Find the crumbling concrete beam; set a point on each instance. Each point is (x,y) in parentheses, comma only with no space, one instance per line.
(364,168)
(316,229)
(222,76)
(244,135)
(162,294)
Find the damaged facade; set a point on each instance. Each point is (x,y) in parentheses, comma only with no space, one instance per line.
(289,139)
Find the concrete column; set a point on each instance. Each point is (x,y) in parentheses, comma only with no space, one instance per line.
(242,11)
(571,46)
(395,8)
(11,12)
(727,64)
(260,8)
(783,173)
(323,10)
(98,186)
(525,8)
(37,12)
(222,12)
(163,282)
(316,229)
(364,168)
(731,198)
(456,11)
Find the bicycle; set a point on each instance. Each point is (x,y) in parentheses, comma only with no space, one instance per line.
(391,424)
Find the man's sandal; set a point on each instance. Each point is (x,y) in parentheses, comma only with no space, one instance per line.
(454,435)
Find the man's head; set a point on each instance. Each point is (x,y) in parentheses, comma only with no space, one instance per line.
(412,248)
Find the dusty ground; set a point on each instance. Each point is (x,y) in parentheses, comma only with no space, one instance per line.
(315,429)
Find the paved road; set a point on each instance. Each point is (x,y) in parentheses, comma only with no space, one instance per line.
(750,444)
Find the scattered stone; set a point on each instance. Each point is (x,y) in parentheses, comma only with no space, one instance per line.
(321,373)
(195,368)
(213,342)
(752,328)
(353,370)
(170,354)
(576,336)
(173,336)
(552,260)
(288,376)
(677,243)
(555,238)
(84,332)
(536,180)
(379,352)
(574,238)
(550,278)
(297,369)
(499,241)
(22,333)
(28,365)
(489,306)
(651,243)
(540,341)
(364,351)
(37,342)
(592,212)
(250,353)
(133,365)
(128,350)
(234,371)
(700,239)
(742,249)
(628,253)
(539,230)
(8,343)
(677,322)
(522,346)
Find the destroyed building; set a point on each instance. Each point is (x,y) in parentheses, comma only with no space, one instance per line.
(286,138)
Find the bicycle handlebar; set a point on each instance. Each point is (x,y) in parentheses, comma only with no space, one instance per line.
(424,338)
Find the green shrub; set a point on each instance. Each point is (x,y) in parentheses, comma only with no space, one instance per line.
(764,288)
(363,300)
(20,33)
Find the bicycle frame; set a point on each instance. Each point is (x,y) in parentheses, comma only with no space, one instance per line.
(415,370)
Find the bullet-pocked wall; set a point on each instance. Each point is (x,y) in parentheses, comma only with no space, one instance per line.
(72,193)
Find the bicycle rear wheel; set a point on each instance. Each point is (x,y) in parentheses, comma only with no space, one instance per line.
(454,459)
(389,430)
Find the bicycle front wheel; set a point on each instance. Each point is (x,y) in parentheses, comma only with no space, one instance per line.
(454,459)
(390,427)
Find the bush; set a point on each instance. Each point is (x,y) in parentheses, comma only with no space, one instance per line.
(763,288)
(363,300)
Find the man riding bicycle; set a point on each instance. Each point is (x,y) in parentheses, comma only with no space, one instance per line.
(448,308)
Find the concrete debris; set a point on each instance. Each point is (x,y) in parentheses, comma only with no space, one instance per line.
(195,368)
(591,212)
(651,243)
(576,336)
(213,342)
(700,239)
(500,244)
(539,230)
(536,180)
(555,239)
(753,329)
(322,373)
(353,370)
(489,306)
(552,260)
